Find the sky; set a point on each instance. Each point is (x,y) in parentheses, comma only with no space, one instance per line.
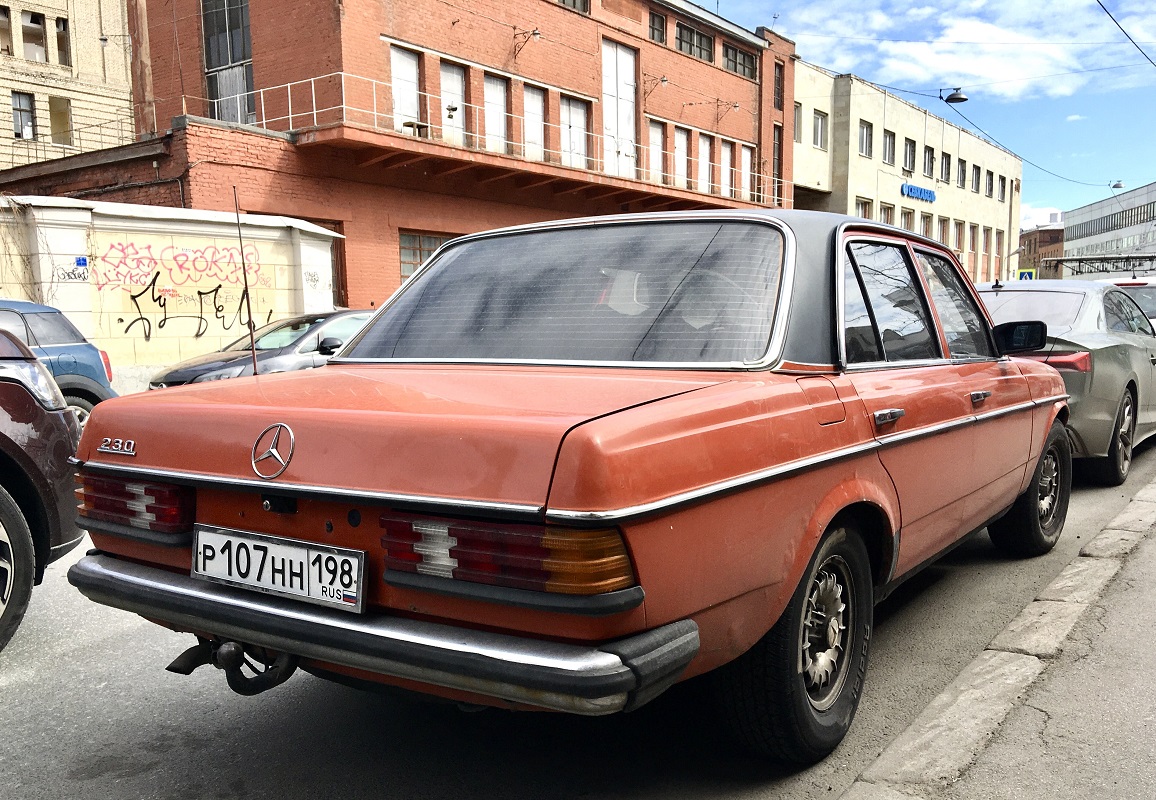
(1058,83)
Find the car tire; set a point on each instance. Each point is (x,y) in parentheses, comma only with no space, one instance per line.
(81,406)
(17,566)
(1033,524)
(1113,470)
(785,698)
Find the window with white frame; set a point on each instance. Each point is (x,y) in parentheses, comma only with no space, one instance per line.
(945,168)
(819,139)
(863,208)
(866,139)
(944,229)
(703,184)
(229,60)
(1002,188)
(453,102)
(961,173)
(534,124)
(32,26)
(929,161)
(798,123)
(60,120)
(573,120)
(925,221)
(417,247)
(681,158)
(907,219)
(725,165)
(747,173)
(889,147)
(989,183)
(909,155)
(656,135)
(23,115)
(887,214)
(975,177)
(496,101)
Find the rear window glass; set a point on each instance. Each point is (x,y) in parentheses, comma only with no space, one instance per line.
(51,327)
(1057,309)
(276,335)
(666,292)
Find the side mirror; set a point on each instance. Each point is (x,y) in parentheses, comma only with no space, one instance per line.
(1020,337)
(331,344)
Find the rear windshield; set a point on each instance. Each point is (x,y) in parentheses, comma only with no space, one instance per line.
(667,292)
(51,327)
(1145,297)
(1057,309)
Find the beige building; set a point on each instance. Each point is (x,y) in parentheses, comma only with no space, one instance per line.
(65,64)
(863,151)
(153,285)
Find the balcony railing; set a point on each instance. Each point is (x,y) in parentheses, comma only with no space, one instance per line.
(341,98)
(58,144)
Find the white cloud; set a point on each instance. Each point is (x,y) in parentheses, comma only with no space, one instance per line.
(1074,118)
(1032,217)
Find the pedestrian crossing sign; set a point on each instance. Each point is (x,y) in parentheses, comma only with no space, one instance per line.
(1026,274)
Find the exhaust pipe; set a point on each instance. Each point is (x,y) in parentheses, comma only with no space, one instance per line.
(230,657)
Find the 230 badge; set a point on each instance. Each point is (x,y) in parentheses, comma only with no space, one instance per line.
(118,447)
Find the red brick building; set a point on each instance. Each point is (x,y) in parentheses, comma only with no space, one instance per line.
(401,123)
(1036,244)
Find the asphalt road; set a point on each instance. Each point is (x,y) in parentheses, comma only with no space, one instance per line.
(87,710)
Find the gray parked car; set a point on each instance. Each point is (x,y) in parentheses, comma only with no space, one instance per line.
(286,345)
(1105,347)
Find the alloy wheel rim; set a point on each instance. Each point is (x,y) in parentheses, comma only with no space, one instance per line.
(81,415)
(1124,437)
(7,569)
(1049,492)
(827,626)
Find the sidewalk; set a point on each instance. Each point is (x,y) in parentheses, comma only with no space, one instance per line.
(1062,703)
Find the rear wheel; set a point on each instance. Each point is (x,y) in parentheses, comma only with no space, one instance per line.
(1033,525)
(81,406)
(17,566)
(1113,470)
(793,695)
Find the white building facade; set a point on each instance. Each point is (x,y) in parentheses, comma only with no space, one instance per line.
(1120,227)
(860,150)
(64,65)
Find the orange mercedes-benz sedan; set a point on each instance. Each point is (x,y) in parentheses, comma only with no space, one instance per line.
(570,464)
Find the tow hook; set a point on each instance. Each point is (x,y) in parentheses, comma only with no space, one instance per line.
(231,657)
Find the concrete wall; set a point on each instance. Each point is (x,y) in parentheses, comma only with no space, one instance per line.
(154,286)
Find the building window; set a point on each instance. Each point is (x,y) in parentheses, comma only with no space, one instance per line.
(866,139)
(959,236)
(63,46)
(417,247)
(907,219)
(228,60)
(60,120)
(703,184)
(929,161)
(747,173)
(405,74)
(889,147)
(961,173)
(657,28)
(862,208)
(497,103)
(925,225)
(945,168)
(574,117)
(656,136)
(681,158)
(777,165)
(5,30)
(34,36)
(778,86)
(886,214)
(23,116)
(694,43)
(820,137)
(989,183)
(799,123)
(533,121)
(909,155)
(725,169)
(743,63)
(944,229)
(577,5)
(1002,188)
(975,174)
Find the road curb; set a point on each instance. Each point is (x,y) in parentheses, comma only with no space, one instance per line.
(958,723)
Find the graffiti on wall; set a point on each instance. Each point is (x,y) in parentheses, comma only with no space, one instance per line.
(204,285)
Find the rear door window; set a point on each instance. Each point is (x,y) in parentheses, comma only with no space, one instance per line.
(52,327)
(895,297)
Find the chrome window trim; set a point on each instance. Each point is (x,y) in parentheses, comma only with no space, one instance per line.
(390,498)
(782,307)
(779,471)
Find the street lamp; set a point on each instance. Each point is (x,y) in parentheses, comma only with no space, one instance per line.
(956,96)
(1118,185)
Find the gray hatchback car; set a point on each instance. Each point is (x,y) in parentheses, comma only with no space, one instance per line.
(1105,347)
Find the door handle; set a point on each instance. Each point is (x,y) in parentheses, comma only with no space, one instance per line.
(1152,359)
(887,416)
(979,397)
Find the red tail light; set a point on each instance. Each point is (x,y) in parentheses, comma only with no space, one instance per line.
(159,507)
(1078,362)
(107,365)
(535,557)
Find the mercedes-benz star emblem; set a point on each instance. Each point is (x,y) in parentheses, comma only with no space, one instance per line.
(271,454)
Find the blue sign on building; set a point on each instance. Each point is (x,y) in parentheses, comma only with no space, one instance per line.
(918,192)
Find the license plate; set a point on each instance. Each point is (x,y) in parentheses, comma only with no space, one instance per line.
(328,576)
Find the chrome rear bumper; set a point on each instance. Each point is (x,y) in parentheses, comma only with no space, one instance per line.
(588,680)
